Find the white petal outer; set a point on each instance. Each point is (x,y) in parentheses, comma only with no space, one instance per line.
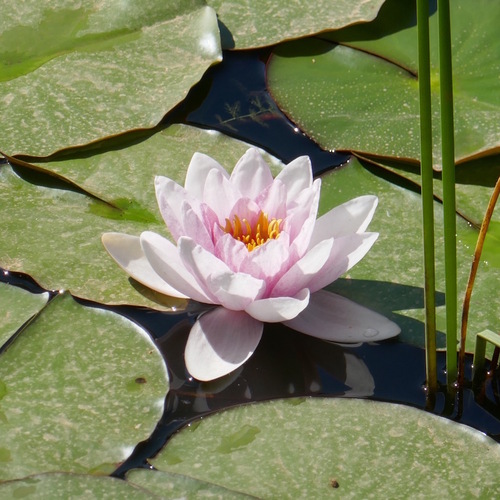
(252,174)
(197,173)
(232,290)
(165,260)
(128,253)
(171,198)
(350,217)
(302,218)
(277,309)
(303,271)
(333,317)
(219,342)
(346,252)
(296,176)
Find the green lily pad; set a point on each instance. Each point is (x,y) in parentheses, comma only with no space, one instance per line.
(16,307)
(54,234)
(72,74)
(397,257)
(168,485)
(63,486)
(82,387)
(246,25)
(325,447)
(366,100)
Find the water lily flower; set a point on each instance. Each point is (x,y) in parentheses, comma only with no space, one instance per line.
(250,245)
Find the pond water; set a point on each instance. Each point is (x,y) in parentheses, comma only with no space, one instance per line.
(232,98)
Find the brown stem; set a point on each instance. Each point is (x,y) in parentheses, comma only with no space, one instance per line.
(472,276)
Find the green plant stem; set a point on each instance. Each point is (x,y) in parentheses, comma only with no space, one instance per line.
(472,276)
(424,84)
(449,204)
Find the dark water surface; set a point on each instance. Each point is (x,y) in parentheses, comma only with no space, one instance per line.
(232,98)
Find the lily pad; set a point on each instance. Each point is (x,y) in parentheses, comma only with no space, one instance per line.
(53,233)
(82,387)
(366,99)
(397,256)
(255,24)
(168,485)
(322,447)
(73,74)
(62,486)
(16,307)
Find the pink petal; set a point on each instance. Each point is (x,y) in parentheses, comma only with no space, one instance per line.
(171,198)
(346,252)
(251,175)
(165,260)
(232,290)
(219,342)
(197,173)
(335,318)
(272,200)
(296,176)
(277,309)
(198,227)
(304,270)
(231,251)
(269,261)
(350,217)
(220,195)
(128,253)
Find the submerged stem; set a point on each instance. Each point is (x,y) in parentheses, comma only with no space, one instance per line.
(424,84)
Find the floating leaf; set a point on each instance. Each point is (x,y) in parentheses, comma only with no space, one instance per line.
(397,256)
(62,486)
(16,307)
(246,24)
(168,485)
(366,100)
(365,449)
(72,74)
(82,387)
(54,233)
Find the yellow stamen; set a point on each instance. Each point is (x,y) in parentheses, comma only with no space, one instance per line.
(252,237)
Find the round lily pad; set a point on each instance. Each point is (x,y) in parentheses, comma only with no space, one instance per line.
(71,74)
(60,486)
(81,387)
(324,447)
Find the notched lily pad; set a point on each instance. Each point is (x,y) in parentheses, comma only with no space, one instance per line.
(255,24)
(71,75)
(82,387)
(16,307)
(364,97)
(62,486)
(53,232)
(364,448)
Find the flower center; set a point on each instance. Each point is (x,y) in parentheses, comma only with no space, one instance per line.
(256,235)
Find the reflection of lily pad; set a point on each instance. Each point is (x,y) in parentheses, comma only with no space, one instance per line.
(364,448)
(16,307)
(70,76)
(367,100)
(256,24)
(82,387)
